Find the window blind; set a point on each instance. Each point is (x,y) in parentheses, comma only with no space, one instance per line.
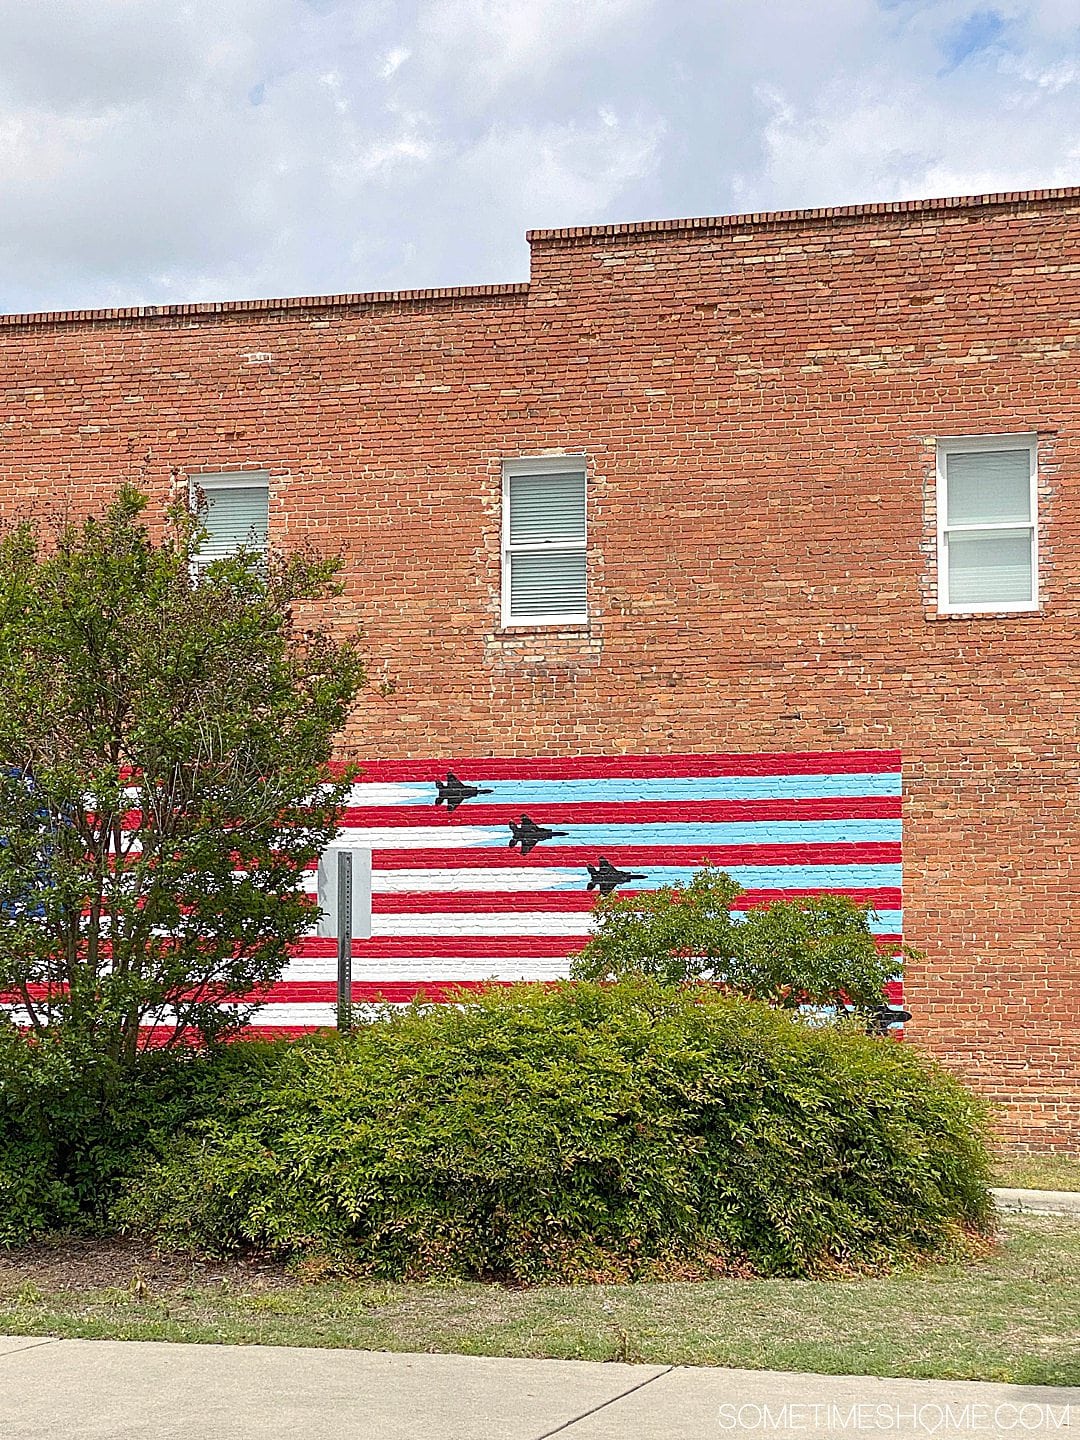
(545,508)
(547,584)
(236,517)
(988,487)
(989,566)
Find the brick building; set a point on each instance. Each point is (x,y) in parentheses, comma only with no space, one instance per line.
(827,463)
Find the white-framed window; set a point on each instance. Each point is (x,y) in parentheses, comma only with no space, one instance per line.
(543,541)
(236,514)
(987,524)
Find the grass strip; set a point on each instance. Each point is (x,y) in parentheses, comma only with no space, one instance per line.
(1038,1172)
(1013,1316)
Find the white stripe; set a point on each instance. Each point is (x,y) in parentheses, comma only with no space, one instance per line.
(512,922)
(279,1016)
(404,882)
(631,832)
(513,880)
(437,967)
(319,1014)
(632,790)
(378,793)
(423,837)
(453,879)
(527,922)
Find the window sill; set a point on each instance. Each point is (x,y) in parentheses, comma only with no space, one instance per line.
(1027,612)
(570,629)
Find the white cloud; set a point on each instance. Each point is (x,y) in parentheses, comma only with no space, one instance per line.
(217,147)
(558,174)
(488,44)
(1001,118)
(393,62)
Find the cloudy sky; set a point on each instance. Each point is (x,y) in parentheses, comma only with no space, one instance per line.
(155,150)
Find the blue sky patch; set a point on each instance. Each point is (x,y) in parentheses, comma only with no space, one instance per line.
(982,30)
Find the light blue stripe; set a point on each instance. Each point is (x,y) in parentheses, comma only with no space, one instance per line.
(629,790)
(763,877)
(882,922)
(888,922)
(780,832)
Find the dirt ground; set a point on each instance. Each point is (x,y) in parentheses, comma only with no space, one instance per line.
(65,1263)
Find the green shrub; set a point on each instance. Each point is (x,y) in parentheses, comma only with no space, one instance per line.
(581,1131)
(37,1096)
(73,1122)
(818,950)
(674,933)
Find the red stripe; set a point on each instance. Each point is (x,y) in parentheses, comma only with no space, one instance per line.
(463,947)
(580,812)
(324,992)
(36,992)
(312,991)
(502,901)
(637,767)
(152,1037)
(315,992)
(301,992)
(275,1032)
(869,852)
(469,947)
(400,992)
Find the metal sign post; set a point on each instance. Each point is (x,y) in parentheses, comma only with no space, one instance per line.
(344,940)
(345,912)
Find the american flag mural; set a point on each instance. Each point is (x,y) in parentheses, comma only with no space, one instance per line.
(488,869)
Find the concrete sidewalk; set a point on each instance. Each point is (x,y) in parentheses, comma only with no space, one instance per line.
(130,1390)
(1038,1202)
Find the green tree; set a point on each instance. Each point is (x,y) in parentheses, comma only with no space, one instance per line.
(165,738)
(675,933)
(817,951)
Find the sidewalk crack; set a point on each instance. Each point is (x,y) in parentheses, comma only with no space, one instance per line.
(44,1340)
(559,1429)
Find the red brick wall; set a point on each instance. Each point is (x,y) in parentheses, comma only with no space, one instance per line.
(757,402)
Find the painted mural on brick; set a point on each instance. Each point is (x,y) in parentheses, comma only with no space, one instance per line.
(488,869)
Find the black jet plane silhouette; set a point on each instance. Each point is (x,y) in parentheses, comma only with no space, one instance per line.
(528,834)
(881,1019)
(885,1017)
(453,792)
(605,878)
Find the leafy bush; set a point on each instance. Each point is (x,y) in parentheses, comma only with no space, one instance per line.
(37,1096)
(74,1122)
(817,951)
(577,1132)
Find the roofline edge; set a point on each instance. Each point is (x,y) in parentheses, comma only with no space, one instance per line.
(195,309)
(826,212)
